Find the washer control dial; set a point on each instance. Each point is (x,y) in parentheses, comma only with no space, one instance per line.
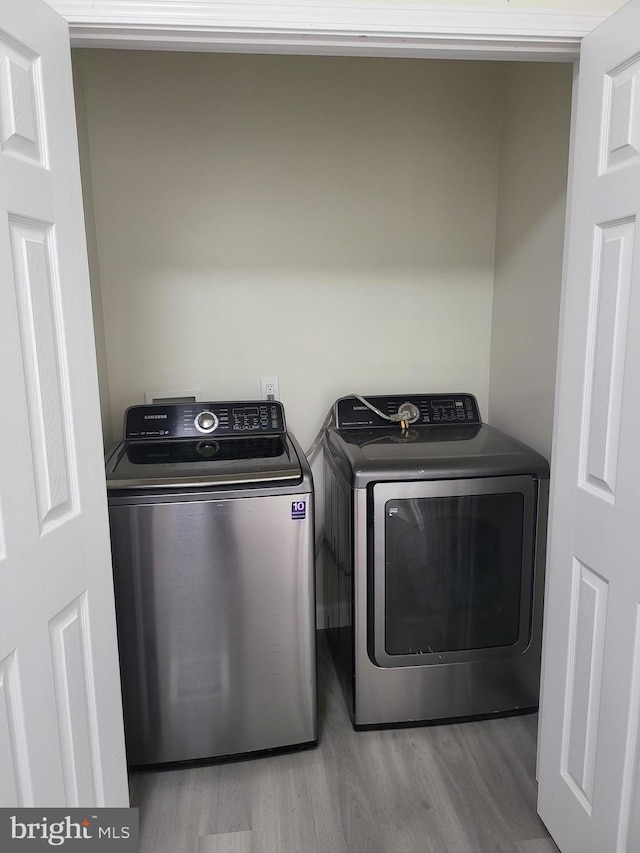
(206,422)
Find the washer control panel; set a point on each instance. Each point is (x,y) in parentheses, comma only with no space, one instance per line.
(434,410)
(193,420)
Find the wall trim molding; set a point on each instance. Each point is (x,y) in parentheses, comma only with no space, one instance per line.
(332,27)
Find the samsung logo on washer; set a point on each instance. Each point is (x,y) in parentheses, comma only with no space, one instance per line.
(155,417)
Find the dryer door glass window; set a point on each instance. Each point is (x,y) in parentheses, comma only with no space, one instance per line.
(453,573)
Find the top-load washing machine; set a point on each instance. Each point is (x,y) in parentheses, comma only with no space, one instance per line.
(435,531)
(211,512)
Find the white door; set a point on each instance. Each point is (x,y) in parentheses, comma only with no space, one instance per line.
(61,733)
(589,772)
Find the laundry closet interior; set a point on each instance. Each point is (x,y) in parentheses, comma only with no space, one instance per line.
(346,224)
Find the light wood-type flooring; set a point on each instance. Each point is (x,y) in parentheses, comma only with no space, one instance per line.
(464,788)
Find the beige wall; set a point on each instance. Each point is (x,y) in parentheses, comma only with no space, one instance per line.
(529,244)
(92,252)
(329,221)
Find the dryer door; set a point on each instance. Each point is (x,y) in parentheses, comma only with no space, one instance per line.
(453,570)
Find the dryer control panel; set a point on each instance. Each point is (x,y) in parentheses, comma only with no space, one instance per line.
(194,420)
(435,410)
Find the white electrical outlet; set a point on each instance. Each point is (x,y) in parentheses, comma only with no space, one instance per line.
(270,389)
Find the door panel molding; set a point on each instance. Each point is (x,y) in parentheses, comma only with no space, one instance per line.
(42,336)
(15,788)
(3,544)
(390,29)
(605,358)
(584,682)
(629,817)
(621,137)
(21,113)
(75,699)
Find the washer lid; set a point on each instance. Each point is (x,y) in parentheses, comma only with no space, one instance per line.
(207,462)
(430,453)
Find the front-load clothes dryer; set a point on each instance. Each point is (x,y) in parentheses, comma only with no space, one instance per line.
(211,512)
(434,560)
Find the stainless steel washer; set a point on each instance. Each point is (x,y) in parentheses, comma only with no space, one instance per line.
(434,560)
(211,511)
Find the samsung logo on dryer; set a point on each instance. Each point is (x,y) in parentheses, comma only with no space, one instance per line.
(360,408)
(155,417)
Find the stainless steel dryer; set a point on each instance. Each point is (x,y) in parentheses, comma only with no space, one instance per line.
(434,546)
(211,511)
